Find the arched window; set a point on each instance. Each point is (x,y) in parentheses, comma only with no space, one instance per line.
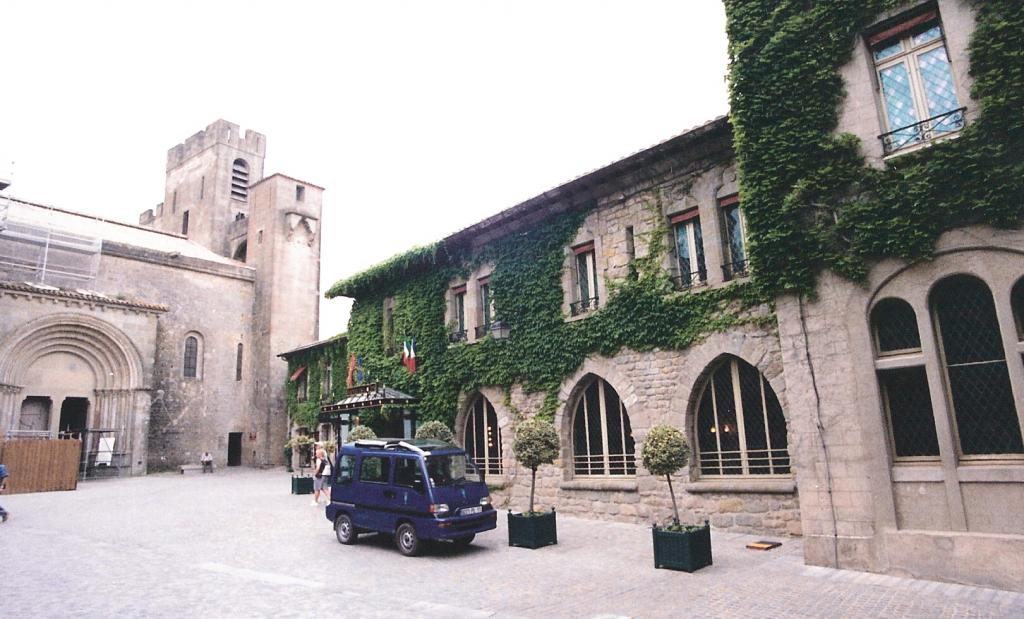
(974,363)
(740,426)
(894,327)
(240,180)
(483,437)
(908,405)
(191,364)
(602,440)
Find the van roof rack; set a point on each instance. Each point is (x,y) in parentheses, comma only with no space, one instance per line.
(420,446)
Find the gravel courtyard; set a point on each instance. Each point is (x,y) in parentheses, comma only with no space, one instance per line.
(237,544)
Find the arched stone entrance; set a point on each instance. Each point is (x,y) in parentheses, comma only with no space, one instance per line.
(75,372)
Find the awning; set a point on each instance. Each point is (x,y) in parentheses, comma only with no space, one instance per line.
(363,397)
(297,373)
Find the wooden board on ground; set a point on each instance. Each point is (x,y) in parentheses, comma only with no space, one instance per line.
(762,545)
(41,465)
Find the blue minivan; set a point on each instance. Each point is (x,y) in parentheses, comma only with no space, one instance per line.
(413,489)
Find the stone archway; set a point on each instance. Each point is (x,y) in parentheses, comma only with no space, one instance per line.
(79,361)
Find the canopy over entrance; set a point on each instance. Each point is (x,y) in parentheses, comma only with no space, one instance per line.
(364,397)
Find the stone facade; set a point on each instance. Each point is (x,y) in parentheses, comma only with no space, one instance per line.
(945,512)
(156,292)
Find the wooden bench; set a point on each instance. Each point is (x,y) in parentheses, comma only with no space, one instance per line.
(194,467)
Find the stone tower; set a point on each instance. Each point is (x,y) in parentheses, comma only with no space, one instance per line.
(284,248)
(206,195)
(216,196)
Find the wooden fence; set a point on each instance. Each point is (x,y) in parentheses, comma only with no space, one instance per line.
(41,465)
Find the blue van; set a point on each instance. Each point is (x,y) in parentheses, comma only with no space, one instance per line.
(413,489)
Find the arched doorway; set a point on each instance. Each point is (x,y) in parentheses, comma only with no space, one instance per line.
(76,374)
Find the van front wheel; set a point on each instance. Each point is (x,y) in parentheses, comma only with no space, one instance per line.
(345,530)
(407,541)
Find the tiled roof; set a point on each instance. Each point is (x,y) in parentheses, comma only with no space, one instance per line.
(81,295)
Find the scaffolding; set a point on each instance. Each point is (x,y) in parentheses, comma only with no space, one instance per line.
(40,254)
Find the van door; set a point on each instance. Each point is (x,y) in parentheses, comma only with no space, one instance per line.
(411,498)
(375,494)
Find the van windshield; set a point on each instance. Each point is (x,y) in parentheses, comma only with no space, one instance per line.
(451,470)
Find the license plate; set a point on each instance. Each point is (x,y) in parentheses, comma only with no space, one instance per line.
(466,511)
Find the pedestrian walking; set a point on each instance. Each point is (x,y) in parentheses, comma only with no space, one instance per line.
(3,486)
(321,469)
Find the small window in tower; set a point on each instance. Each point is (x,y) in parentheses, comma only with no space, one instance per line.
(184,223)
(300,193)
(240,180)
(202,187)
(174,201)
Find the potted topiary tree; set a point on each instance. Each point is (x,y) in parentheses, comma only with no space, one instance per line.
(676,546)
(437,431)
(536,443)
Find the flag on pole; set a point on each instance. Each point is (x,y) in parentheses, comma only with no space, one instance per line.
(409,354)
(351,370)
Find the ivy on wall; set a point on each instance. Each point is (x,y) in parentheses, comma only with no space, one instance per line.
(641,312)
(809,200)
(333,353)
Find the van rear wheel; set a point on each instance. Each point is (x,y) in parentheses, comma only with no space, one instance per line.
(407,540)
(345,530)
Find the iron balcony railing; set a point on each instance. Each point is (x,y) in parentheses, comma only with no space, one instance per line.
(583,306)
(751,462)
(490,466)
(691,280)
(731,270)
(458,336)
(927,129)
(604,464)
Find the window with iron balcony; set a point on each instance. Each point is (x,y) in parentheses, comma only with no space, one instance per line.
(585,271)
(691,269)
(735,249)
(485,320)
(458,333)
(915,79)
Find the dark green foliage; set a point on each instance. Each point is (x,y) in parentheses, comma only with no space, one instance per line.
(642,313)
(437,431)
(809,200)
(334,353)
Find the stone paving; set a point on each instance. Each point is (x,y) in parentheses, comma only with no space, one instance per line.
(237,544)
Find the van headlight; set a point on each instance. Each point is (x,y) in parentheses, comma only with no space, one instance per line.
(439,509)
(486,500)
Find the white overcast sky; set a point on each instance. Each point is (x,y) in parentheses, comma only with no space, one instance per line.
(419,118)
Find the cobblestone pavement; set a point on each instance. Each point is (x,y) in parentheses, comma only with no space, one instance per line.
(237,544)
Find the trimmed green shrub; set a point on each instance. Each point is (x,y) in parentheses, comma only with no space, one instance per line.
(665,452)
(435,430)
(361,433)
(536,444)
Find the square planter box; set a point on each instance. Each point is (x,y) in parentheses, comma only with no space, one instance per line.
(681,550)
(532,531)
(302,485)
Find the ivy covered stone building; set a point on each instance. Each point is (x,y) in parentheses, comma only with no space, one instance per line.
(823,291)
(156,342)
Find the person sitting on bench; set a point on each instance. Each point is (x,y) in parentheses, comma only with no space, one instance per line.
(207,462)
